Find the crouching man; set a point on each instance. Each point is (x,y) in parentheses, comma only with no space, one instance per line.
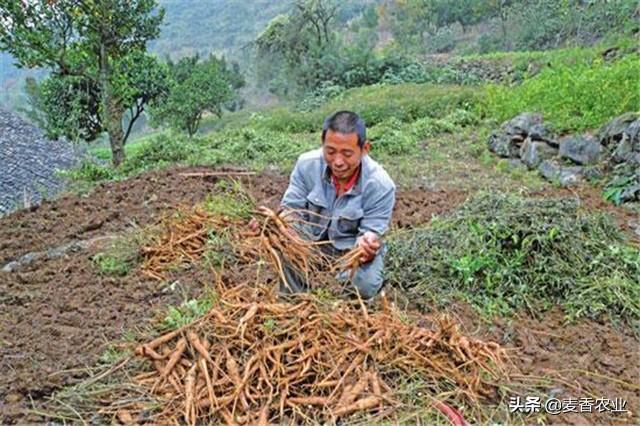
(349,198)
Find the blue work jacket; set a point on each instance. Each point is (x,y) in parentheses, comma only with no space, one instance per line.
(367,206)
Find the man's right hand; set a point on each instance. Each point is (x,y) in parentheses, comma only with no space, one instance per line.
(369,243)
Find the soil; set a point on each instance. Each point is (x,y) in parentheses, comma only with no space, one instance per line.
(586,359)
(57,316)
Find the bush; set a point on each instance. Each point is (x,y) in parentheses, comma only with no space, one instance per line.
(391,138)
(490,42)
(443,41)
(572,98)
(160,151)
(89,171)
(326,91)
(253,147)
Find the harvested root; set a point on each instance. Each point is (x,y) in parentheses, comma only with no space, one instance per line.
(280,242)
(310,362)
(350,261)
(183,240)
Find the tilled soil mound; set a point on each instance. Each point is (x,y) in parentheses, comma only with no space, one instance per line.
(58,315)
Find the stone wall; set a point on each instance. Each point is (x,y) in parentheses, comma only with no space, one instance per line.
(613,153)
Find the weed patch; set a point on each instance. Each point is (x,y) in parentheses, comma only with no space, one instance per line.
(503,252)
(571,97)
(120,257)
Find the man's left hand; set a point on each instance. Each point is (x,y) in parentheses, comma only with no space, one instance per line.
(369,243)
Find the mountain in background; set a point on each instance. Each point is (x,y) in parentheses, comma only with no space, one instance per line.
(221,27)
(213,26)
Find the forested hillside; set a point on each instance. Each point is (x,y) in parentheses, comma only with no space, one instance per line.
(412,27)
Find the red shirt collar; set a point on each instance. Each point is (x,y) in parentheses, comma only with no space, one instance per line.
(350,183)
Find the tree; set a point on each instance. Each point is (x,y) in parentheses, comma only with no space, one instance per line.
(410,21)
(463,12)
(138,80)
(499,9)
(317,13)
(69,105)
(83,41)
(196,87)
(292,46)
(34,110)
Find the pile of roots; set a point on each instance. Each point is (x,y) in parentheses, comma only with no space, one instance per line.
(182,239)
(280,242)
(255,359)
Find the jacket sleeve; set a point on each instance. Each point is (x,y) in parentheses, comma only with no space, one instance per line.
(377,210)
(295,197)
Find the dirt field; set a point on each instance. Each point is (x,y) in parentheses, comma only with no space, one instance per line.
(57,316)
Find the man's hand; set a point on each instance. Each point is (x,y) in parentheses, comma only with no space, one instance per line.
(369,243)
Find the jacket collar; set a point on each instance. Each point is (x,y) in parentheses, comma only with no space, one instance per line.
(364,175)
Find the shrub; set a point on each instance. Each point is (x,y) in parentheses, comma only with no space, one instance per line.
(572,98)
(391,138)
(89,171)
(160,151)
(253,147)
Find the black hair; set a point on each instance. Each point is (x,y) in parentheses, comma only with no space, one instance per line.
(345,122)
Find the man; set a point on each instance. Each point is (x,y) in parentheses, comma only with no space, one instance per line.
(349,197)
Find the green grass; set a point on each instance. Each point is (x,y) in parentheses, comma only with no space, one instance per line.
(501,253)
(252,147)
(571,97)
(233,201)
(376,103)
(120,257)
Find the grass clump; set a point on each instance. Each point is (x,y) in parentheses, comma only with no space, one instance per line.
(189,311)
(89,171)
(233,201)
(119,258)
(504,252)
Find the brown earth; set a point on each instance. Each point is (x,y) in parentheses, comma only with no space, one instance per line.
(58,316)
(587,359)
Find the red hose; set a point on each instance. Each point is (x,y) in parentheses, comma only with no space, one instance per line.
(454,416)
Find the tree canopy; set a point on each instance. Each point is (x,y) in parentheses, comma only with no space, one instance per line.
(91,45)
(196,87)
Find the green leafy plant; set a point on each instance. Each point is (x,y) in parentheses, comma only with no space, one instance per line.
(502,253)
(189,311)
(571,97)
(121,256)
(622,187)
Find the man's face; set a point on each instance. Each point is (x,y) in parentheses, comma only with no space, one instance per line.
(342,153)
